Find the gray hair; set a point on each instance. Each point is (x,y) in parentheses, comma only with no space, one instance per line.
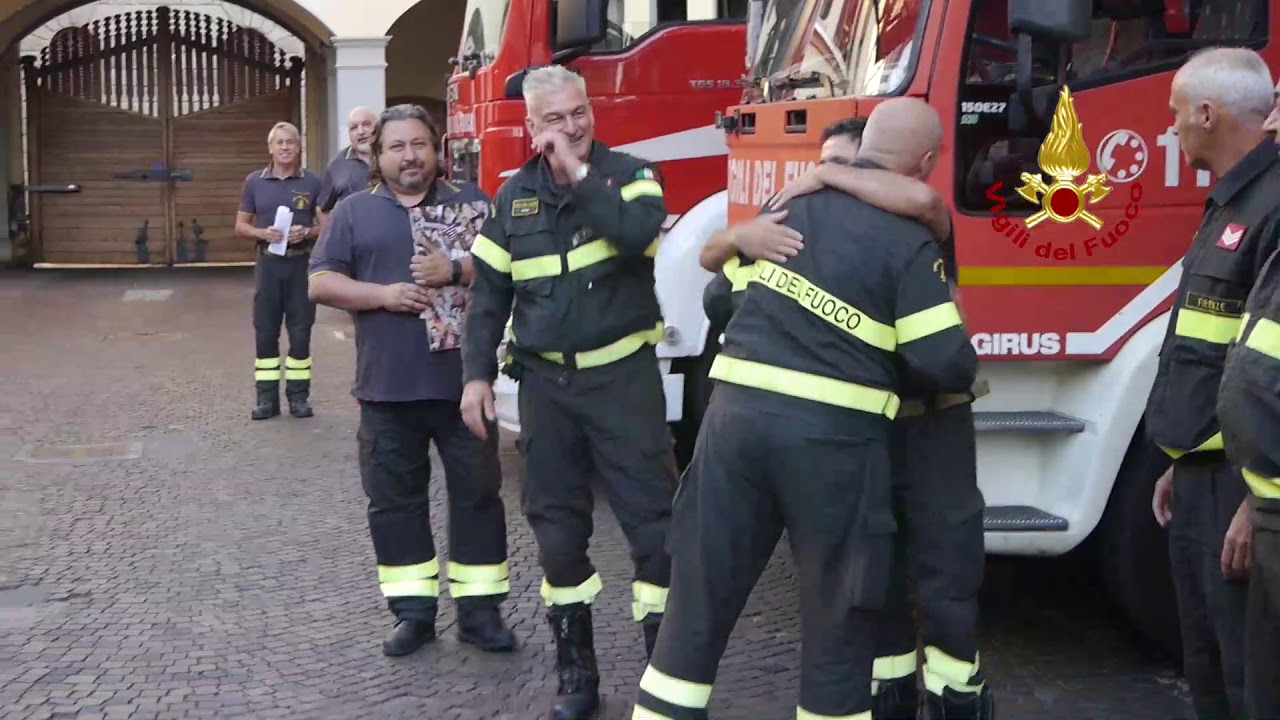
(549,79)
(1235,79)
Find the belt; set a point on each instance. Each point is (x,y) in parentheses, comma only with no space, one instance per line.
(289,251)
(943,401)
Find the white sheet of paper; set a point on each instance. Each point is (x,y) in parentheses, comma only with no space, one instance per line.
(284,221)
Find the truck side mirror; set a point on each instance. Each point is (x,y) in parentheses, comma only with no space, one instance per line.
(578,23)
(1061,20)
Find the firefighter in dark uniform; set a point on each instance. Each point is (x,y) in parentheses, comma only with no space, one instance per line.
(408,392)
(936,499)
(280,281)
(1202,498)
(572,241)
(796,436)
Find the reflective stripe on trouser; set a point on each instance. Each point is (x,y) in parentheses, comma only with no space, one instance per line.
(1262,643)
(1211,609)
(280,296)
(395,470)
(266,370)
(611,353)
(612,419)
(737,496)
(939,551)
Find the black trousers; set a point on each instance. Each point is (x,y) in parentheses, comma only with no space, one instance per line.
(395,469)
(611,419)
(1262,639)
(764,463)
(1211,608)
(280,296)
(939,555)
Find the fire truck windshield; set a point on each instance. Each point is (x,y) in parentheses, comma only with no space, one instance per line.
(863,47)
(483,31)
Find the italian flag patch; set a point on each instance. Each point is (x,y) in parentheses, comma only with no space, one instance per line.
(645,174)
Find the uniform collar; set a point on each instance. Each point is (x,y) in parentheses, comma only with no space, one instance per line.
(268,175)
(440,190)
(351,154)
(1242,173)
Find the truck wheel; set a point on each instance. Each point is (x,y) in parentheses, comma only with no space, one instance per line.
(1133,550)
(697,393)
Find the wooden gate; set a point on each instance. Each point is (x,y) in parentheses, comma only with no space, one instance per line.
(141,129)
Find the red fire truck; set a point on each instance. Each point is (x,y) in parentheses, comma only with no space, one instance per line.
(655,95)
(1067,317)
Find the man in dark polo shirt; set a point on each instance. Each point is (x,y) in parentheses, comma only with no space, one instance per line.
(348,172)
(280,281)
(409,382)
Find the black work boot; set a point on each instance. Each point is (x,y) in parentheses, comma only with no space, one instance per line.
(481,624)
(299,392)
(408,635)
(896,699)
(952,705)
(579,690)
(651,623)
(268,400)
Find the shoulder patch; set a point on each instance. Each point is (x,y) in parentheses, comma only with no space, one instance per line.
(525,207)
(645,174)
(1231,237)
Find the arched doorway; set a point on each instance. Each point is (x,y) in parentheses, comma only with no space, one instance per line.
(141,127)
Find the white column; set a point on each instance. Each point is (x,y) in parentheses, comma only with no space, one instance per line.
(701,10)
(359,78)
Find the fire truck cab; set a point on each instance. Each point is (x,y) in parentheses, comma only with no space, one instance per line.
(1067,317)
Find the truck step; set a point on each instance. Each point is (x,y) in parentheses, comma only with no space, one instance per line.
(1020,518)
(1031,421)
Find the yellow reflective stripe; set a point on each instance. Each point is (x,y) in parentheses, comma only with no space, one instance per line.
(492,254)
(1200,325)
(476,580)
(739,275)
(318,273)
(266,363)
(927,322)
(535,267)
(417,580)
(612,352)
(297,374)
(652,250)
(648,598)
(1264,338)
(825,305)
(1262,486)
(1213,443)
(1244,323)
(643,713)
(892,667)
(584,593)
(266,375)
(805,385)
(296,364)
(802,714)
(943,671)
(674,690)
(640,188)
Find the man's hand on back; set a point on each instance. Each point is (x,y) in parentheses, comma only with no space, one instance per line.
(765,238)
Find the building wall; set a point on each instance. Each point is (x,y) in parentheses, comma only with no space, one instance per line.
(422,41)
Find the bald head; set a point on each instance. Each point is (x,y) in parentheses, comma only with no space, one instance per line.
(360,124)
(903,135)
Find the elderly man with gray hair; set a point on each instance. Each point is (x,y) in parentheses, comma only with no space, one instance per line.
(1220,100)
(571,241)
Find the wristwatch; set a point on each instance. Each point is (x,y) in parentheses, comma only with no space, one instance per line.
(457,272)
(581,173)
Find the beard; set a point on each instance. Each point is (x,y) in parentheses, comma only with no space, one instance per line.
(413,177)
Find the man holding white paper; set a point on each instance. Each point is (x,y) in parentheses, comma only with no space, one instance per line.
(277,211)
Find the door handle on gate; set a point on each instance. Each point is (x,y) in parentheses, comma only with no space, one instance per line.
(155,175)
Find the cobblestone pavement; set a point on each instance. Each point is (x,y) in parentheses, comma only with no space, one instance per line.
(219,567)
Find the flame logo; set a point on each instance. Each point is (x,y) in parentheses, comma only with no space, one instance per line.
(1064,156)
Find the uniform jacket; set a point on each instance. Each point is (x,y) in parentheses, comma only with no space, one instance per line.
(577,263)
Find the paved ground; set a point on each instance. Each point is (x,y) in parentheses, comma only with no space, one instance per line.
(222,567)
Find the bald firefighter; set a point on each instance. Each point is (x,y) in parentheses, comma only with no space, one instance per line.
(796,436)
(937,503)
